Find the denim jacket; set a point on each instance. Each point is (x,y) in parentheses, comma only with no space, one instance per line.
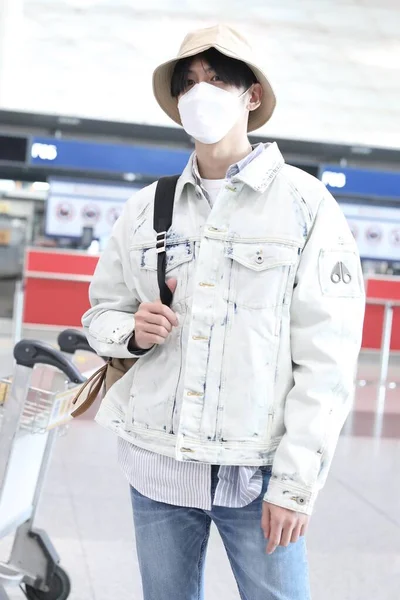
(270,302)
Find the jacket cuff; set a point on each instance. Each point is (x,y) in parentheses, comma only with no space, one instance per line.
(112,341)
(288,496)
(118,334)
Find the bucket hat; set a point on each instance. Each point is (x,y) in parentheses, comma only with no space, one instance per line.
(230,43)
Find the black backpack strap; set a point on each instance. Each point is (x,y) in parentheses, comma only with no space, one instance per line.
(163,209)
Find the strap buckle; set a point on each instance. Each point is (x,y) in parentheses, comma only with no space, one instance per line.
(161,244)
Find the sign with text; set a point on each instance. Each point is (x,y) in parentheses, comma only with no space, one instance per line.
(75,205)
(376,230)
(80,155)
(360,182)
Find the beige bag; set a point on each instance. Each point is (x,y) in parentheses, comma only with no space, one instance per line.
(103,378)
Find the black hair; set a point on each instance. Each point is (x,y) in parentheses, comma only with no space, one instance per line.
(230,70)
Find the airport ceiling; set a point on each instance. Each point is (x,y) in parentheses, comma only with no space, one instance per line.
(335,64)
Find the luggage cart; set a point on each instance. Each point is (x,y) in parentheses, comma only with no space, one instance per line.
(71,340)
(31,402)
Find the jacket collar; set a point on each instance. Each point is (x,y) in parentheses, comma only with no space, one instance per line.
(260,172)
(257,173)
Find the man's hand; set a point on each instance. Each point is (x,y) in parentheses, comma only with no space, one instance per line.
(282,526)
(154,322)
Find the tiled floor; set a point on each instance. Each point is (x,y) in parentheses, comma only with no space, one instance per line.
(354,539)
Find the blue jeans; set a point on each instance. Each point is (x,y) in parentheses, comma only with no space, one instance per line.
(172,543)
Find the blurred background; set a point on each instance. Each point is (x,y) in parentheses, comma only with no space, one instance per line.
(80,132)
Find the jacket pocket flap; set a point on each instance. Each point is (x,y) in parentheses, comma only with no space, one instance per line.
(260,257)
(177,254)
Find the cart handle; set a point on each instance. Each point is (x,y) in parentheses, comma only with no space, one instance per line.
(71,340)
(29,353)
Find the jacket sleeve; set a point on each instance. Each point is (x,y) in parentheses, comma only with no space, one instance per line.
(327,314)
(109,323)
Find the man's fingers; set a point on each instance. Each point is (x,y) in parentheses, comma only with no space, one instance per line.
(153,324)
(285,526)
(172,283)
(296,533)
(266,520)
(287,532)
(274,537)
(157,308)
(153,339)
(156,319)
(158,330)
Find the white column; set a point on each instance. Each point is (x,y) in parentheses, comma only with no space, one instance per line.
(11,50)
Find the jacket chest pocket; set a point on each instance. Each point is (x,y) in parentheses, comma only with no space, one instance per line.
(259,273)
(179,259)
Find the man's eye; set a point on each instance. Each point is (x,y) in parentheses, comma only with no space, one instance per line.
(189,83)
(216,78)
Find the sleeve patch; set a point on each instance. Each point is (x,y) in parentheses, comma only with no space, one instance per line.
(340,274)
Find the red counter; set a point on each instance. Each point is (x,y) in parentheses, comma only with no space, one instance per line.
(384,288)
(56,286)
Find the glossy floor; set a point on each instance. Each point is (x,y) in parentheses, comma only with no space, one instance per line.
(354,538)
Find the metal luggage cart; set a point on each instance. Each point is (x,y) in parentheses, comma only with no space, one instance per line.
(72,340)
(34,406)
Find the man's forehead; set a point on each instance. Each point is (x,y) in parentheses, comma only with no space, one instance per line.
(199,63)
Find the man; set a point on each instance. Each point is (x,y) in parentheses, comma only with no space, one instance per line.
(233,410)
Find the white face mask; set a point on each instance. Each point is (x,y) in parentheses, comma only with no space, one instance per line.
(208,113)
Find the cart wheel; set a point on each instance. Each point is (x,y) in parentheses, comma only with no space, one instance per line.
(60,588)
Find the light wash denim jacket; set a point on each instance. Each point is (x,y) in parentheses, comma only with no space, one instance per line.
(270,302)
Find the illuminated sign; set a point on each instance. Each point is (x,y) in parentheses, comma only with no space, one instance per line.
(333,179)
(44,151)
(73,205)
(376,229)
(79,155)
(360,182)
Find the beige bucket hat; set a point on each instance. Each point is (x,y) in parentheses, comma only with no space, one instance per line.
(227,41)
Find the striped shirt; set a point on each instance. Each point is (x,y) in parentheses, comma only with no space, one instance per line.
(187,484)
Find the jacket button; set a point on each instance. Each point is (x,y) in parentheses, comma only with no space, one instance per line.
(300,500)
